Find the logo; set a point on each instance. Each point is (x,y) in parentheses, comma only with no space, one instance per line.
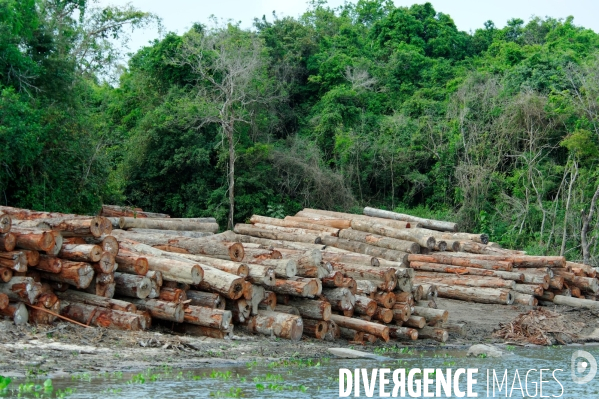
(583,362)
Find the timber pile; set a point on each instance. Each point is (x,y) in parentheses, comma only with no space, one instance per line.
(322,274)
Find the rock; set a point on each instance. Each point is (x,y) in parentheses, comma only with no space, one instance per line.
(486,350)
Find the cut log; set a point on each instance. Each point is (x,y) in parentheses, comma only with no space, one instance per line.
(462,270)
(365,287)
(78,274)
(475,294)
(401,312)
(16,311)
(178,233)
(262,275)
(239,269)
(524,299)
(33,257)
(295,288)
(3,301)
(576,302)
(365,305)
(404,297)
(169,294)
(280,325)
(5,223)
(208,317)
(8,242)
(385,299)
(121,211)
(415,322)
(359,247)
(354,258)
(588,270)
(334,223)
(556,283)
(132,285)
(434,333)
(50,264)
(584,283)
(424,240)
(207,299)
(240,309)
(162,310)
(380,241)
(403,333)
(290,230)
(95,300)
(227,284)
(16,260)
(107,264)
(79,227)
(38,240)
(196,246)
(313,309)
(132,263)
(311,237)
(340,298)
(426,223)
(378,330)
(383,314)
(176,270)
(5,274)
(330,215)
(462,260)
(315,328)
(334,279)
(263,220)
(202,331)
(101,317)
(81,253)
(283,268)
(166,224)
(529,289)
(469,281)
(417,292)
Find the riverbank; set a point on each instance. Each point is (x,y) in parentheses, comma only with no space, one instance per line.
(65,349)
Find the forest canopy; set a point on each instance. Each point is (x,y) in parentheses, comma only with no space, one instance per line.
(367,104)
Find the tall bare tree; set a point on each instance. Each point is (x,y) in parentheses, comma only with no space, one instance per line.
(230,80)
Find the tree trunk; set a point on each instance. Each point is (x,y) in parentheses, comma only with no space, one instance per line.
(529,289)
(403,333)
(38,240)
(263,220)
(576,302)
(169,294)
(313,309)
(378,330)
(132,285)
(348,257)
(81,253)
(295,288)
(356,246)
(176,233)
(380,241)
(475,294)
(461,270)
(79,227)
(422,239)
(132,263)
(432,316)
(426,223)
(415,322)
(227,284)
(333,280)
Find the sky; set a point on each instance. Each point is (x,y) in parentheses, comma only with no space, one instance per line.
(179,15)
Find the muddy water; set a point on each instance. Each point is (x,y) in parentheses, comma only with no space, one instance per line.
(320,379)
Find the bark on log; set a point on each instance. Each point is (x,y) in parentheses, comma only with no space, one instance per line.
(468,281)
(462,270)
(530,289)
(588,270)
(403,333)
(401,312)
(584,283)
(262,275)
(283,268)
(576,302)
(106,265)
(359,247)
(132,285)
(315,328)
(182,270)
(330,215)
(365,287)
(378,330)
(132,263)
(169,294)
(239,269)
(556,283)
(5,223)
(17,311)
(79,227)
(426,223)
(178,233)
(196,246)
(207,299)
(385,299)
(101,317)
(434,333)
(380,241)
(78,274)
(120,211)
(334,223)
(227,284)
(38,240)
(334,279)
(208,317)
(8,242)
(524,299)
(81,253)
(424,240)
(340,298)
(383,314)
(354,258)
(16,260)
(50,264)
(280,325)
(475,294)
(295,288)
(95,300)
(240,309)
(263,220)
(365,305)
(162,310)
(166,224)
(5,274)
(313,309)
(249,229)
(415,322)
(462,260)
(270,300)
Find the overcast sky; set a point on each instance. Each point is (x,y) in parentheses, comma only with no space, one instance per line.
(179,15)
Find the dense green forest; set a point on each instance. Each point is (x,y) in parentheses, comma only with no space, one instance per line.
(366,104)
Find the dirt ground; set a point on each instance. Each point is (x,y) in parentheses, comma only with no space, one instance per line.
(64,349)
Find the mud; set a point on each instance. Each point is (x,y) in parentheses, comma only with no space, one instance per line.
(64,349)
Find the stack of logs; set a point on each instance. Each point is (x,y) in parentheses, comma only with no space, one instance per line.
(322,274)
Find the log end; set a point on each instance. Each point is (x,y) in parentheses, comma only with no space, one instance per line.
(236,252)
(5,223)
